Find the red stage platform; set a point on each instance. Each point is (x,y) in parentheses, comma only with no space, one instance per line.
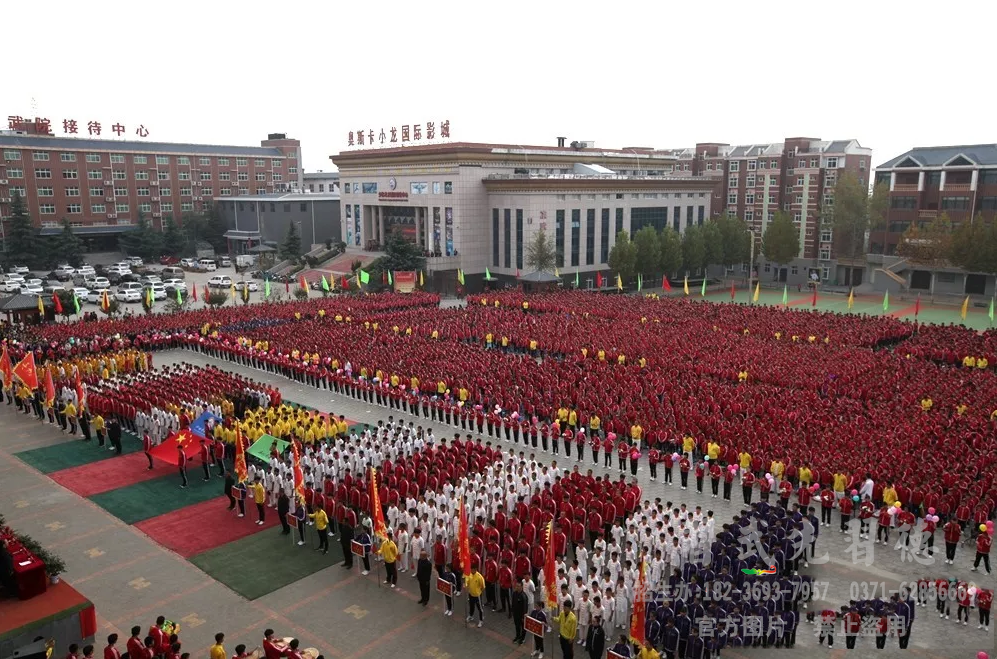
(61,612)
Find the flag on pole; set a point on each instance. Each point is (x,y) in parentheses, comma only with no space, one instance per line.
(81,390)
(517,273)
(207,293)
(344,282)
(422,280)
(733,292)
(460,276)
(287,285)
(302,283)
(299,477)
(702,292)
(41,306)
(965,308)
(56,303)
(638,619)
(245,292)
(665,284)
(991,315)
(241,472)
(325,284)
(194,292)
(577,280)
(557,273)
(813,300)
(377,513)
(758,291)
(785,296)
(685,284)
(640,282)
(105,301)
(488,274)
(266,287)
(391,280)
(463,541)
(917,306)
(619,282)
(598,280)
(886,301)
(550,569)
(179,297)
(851,298)
(6,369)
(364,277)
(49,389)
(148,297)
(26,371)
(76,304)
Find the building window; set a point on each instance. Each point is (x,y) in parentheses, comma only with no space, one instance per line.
(223,162)
(46,191)
(225,192)
(277,176)
(145,208)
(204,161)
(732,198)
(656,216)
(47,209)
(67,157)
(832,163)
(183,160)
(604,237)
(825,254)
(260,176)
(243,191)
(11,155)
(260,162)
(207,192)
(275,162)
(186,192)
(825,235)
(797,216)
(243,176)
(165,192)
(143,176)
(162,176)
(166,207)
(767,267)
(519,238)
(120,192)
(559,237)
(43,173)
(224,176)
(71,174)
(448,187)
(749,181)
(98,208)
(96,192)
(905,203)
(186,206)
(241,162)
(495,237)
(752,165)
(677,219)
(589,236)
(507,234)
(162,160)
(700,215)
(794,270)
(955,203)
(619,223)
(40,156)
(72,192)
(119,175)
(576,229)
(732,181)
(749,198)
(142,192)
(688,215)
(15,172)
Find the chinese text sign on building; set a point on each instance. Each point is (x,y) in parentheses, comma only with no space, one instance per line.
(394,135)
(43,126)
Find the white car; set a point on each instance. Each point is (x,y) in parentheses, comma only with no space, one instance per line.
(120,270)
(158,291)
(220,281)
(207,265)
(97,294)
(81,293)
(35,282)
(52,289)
(150,279)
(65,270)
(130,291)
(188,263)
(175,284)
(20,270)
(32,289)
(225,262)
(251,285)
(134,260)
(98,282)
(86,270)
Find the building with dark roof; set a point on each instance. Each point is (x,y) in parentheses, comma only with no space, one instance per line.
(102,185)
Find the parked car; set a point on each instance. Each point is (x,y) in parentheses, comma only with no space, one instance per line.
(188,263)
(11,285)
(134,260)
(168,260)
(98,282)
(20,270)
(64,272)
(207,265)
(51,289)
(130,291)
(81,293)
(220,281)
(225,262)
(172,272)
(158,290)
(97,294)
(32,289)
(150,279)
(173,284)
(85,270)
(251,285)
(119,269)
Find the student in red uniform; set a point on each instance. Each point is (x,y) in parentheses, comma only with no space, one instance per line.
(984,601)
(845,508)
(159,638)
(684,467)
(747,484)
(206,458)
(826,506)
(700,475)
(952,532)
(715,474)
(652,462)
(728,482)
(963,599)
(885,520)
(785,491)
(87,652)
(270,649)
(147,447)
(74,651)
(983,543)
(219,447)
(134,646)
(292,650)
(110,651)
(182,465)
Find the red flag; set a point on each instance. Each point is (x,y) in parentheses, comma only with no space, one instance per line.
(344,282)
(638,619)
(241,472)
(377,513)
(517,273)
(81,391)
(917,305)
(6,370)
(207,293)
(287,285)
(49,388)
(194,293)
(384,277)
(26,371)
(813,301)
(57,303)
(299,477)
(598,280)
(463,541)
(167,450)
(550,569)
(665,284)
(105,302)
(733,292)
(302,283)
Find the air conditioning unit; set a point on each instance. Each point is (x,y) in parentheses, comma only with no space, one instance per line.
(3,181)
(5,200)
(157,214)
(155,198)
(107,183)
(153,182)
(108,198)
(112,216)
(197,199)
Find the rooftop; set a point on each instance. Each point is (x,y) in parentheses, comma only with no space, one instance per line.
(25,141)
(939,156)
(493,150)
(284,197)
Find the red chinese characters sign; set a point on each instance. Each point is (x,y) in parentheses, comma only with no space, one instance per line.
(43,126)
(407,133)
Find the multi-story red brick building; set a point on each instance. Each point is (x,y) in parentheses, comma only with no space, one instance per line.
(101,186)
(797,176)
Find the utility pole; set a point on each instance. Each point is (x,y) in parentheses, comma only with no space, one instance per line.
(751,264)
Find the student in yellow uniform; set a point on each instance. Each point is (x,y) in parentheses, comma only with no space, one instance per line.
(840,483)
(217,651)
(745,461)
(321,525)
(889,494)
(98,426)
(689,446)
(572,419)
(595,423)
(713,450)
(636,433)
(806,476)
(567,623)
(259,496)
(475,584)
(70,413)
(389,552)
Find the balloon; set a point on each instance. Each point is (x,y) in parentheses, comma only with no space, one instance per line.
(855,492)
(982,655)
(990,523)
(983,527)
(971,591)
(855,498)
(768,476)
(706,458)
(675,456)
(931,511)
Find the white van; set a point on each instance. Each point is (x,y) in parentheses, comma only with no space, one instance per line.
(207,265)
(172,272)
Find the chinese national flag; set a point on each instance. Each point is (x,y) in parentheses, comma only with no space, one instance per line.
(207,293)
(665,284)
(49,388)
(26,371)
(550,569)
(638,619)
(598,280)
(376,512)
(463,541)
(57,303)
(287,285)
(299,476)
(241,472)
(6,369)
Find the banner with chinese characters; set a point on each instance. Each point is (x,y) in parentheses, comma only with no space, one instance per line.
(449,225)
(91,128)
(404,281)
(395,135)
(356,225)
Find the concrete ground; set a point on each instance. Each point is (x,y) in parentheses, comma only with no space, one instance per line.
(131,579)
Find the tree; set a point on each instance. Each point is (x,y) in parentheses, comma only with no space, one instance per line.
(216,299)
(22,239)
(540,253)
(67,246)
(781,242)
(291,247)
(66,300)
(693,249)
(712,243)
(174,240)
(142,241)
(648,250)
(670,243)
(623,256)
(735,238)
(930,246)
(402,255)
(973,246)
(852,212)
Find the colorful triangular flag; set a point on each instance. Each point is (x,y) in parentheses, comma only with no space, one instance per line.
(758,291)
(685,284)
(785,296)
(965,308)
(851,298)
(665,284)
(886,301)
(702,292)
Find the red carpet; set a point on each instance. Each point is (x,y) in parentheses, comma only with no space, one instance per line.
(105,475)
(204,526)
(59,601)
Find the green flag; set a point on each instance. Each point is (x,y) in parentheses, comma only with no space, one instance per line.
(364,277)
(577,280)
(488,275)
(266,288)
(179,299)
(702,293)
(785,296)
(391,280)
(886,302)
(76,305)
(640,282)
(325,284)
(991,314)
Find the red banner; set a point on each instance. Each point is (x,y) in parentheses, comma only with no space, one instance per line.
(376,512)
(444,586)
(638,618)
(550,569)
(241,472)
(534,626)
(405,281)
(167,450)
(26,371)
(464,541)
(299,476)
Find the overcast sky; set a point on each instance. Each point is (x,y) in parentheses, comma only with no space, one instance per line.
(663,74)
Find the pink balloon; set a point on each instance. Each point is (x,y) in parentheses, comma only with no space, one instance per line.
(855,493)
(982,655)
(931,511)
(990,523)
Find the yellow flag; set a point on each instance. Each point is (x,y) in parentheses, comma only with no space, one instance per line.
(758,291)
(41,307)
(965,307)
(232,288)
(619,282)
(422,282)
(460,276)
(851,298)
(685,284)
(557,273)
